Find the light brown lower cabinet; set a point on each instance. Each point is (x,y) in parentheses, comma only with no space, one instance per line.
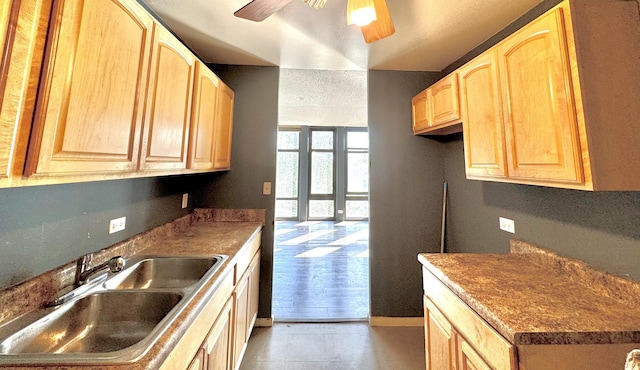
(457,338)
(446,349)
(245,308)
(469,359)
(440,339)
(217,338)
(217,347)
(198,361)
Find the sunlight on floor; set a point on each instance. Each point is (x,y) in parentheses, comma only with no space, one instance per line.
(317,252)
(321,271)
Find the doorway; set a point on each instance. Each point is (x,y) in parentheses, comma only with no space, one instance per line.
(321,255)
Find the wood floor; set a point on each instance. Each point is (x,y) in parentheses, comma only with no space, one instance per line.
(336,346)
(321,271)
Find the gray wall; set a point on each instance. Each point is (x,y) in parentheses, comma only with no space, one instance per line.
(253,157)
(517,24)
(600,228)
(405,193)
(43,227)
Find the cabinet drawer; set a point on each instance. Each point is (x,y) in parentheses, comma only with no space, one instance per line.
(488,343)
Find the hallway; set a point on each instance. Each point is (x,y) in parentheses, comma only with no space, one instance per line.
(321,271)
(343,346)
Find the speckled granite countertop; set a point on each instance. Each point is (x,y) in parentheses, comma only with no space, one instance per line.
(204,232)
(534,296)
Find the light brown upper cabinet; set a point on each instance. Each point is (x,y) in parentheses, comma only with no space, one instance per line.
(203,118)
(482,117)
(569,88)
(444,101)
(436,110)
(23,29)
(224,128)
(168,118)
(540,122)
(420,110)
(6,128)
(5,12)
(90,105)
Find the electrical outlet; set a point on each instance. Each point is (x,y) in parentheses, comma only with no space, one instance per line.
(117,224)
(185,200)
(266,188)
(507,225)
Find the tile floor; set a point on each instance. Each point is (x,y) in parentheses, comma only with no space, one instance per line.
(321,271)
(336,346)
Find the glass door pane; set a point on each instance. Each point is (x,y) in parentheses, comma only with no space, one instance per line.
(287,174)
(322,175)
(357,195)
(357,172)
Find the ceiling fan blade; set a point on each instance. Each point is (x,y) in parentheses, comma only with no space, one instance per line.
(380,28)
(316,4)
(259,10)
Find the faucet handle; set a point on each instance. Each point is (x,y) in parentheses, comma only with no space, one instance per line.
(85,261)
(116,264)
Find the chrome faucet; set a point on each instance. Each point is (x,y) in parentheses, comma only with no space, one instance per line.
(84,269)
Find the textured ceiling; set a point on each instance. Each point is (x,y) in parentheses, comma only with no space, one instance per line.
(322,98)
(430,34)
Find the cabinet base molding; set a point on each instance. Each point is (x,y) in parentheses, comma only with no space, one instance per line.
(264,322)
(395,321)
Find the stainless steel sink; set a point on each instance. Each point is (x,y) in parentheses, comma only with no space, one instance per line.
(163,272)
(99,322)
(109,321)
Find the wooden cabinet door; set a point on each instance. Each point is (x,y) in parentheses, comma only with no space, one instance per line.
(241,317)
(168,118)
(6,128)
(198,361)
(23,29)
(91,100)
(224,128)
(254,292)
(420,110)
(483,129)
(469,359)
(444,101)
(218,344)
(440,339)
(5,11)
(203,118)
(539,116)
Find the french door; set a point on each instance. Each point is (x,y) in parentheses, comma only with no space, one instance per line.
(322,174)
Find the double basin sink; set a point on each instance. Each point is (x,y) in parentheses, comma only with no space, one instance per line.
(114,318)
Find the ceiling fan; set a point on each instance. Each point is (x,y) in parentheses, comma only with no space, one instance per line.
(377,23)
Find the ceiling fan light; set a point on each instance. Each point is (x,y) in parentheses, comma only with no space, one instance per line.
(360,12)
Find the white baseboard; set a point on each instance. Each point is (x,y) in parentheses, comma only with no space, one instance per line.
(395,321)
(264,322)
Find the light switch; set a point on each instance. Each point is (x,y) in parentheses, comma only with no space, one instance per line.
(266,188)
